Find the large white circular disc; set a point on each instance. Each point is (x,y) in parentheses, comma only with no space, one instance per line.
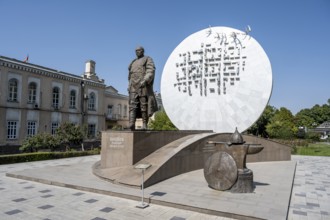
(216,79)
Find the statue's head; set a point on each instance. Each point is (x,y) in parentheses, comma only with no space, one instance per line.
(139,51)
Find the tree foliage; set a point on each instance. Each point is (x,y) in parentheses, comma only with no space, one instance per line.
(70,134)
(40,141)
(161,122)
(282,125)
(67,134)
(259,127)
(313,117)
(304,118)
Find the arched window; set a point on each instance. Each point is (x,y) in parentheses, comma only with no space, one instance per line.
(73,98)
(32,92)
(91,101)
(12,90)
(56,97)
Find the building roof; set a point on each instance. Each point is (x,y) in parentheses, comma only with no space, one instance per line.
(324,125)
(42,70)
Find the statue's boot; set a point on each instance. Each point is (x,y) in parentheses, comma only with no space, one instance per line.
(132,119)
(144,120)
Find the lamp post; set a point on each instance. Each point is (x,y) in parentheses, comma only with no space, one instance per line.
(82,103)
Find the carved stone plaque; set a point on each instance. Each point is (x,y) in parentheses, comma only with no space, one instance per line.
(220,171)
(116,142)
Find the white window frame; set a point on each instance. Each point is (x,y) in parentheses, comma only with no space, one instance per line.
(119,111)
(73,98)
(110,111)
(125,111)
(54,126)
(91,101)
(56,97)
(31,128)
(91,130)
(13,90)
(32,92)
(12,129)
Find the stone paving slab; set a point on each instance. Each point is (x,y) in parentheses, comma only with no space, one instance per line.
(188,191)
(311,190)
(22,199)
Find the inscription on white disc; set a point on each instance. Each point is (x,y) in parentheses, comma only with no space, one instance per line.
(216,79)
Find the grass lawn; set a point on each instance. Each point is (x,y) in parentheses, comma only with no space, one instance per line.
(318,149)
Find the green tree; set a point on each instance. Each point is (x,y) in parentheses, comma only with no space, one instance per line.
(161,122)
(40,141)
(313,117)
(282,125)
(67,134)
(259,127)
(304,118)
(70,134)
(320,113)
(51,141)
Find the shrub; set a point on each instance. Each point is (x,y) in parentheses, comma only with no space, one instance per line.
(313,136)
(40,141)
(37,156)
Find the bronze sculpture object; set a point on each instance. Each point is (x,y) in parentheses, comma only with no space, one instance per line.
(225,164)
(142,101)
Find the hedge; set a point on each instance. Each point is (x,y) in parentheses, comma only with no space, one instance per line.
(28,157)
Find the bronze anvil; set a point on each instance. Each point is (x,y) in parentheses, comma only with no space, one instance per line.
(237,151)
(225,164)
(237,148)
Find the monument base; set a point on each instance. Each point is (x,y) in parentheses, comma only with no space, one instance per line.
(142,206)
(126,148)
(169,153)
(244,183)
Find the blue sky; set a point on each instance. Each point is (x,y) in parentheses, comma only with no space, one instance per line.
(64,34)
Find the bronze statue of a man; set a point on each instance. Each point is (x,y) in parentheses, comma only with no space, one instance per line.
(142,101)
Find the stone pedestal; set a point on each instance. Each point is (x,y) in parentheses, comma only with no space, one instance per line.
(244,183)
(169,153)
(117,149)
(126,148)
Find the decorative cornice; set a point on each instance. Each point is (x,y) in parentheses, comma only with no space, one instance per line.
(44,71)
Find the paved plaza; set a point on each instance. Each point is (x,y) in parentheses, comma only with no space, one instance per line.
(21,199)
(310,198)
(25,199)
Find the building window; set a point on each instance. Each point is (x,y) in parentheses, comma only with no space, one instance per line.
(56,97)
(125,111)
(109,111)
(11,129)
(119,111)
(91,130)
(54,127)
(91,101)
(32,92)
(12,90)
(31,128)
(73,99)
